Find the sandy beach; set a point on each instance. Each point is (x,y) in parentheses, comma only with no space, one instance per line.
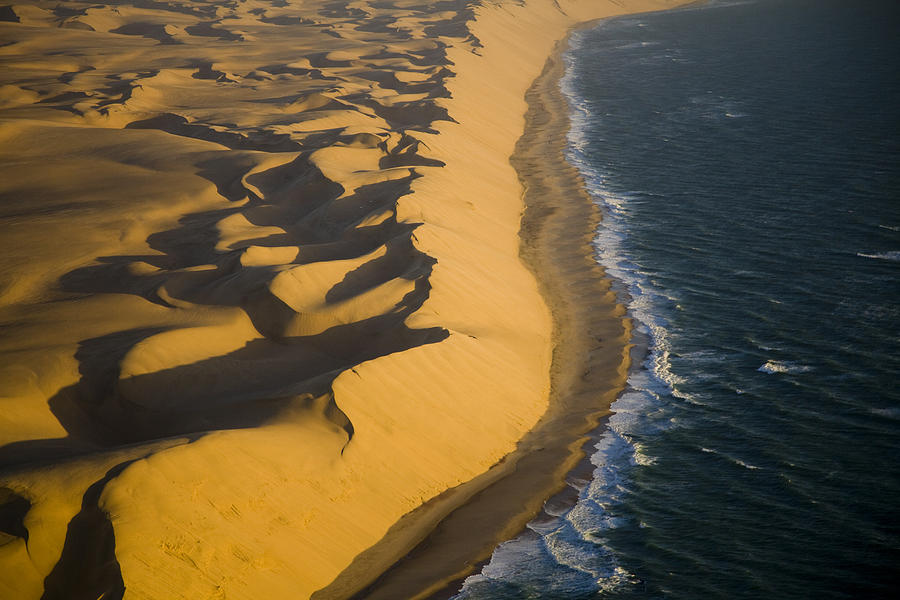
(274,314)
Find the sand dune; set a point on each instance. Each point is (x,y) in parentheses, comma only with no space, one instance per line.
(260,285)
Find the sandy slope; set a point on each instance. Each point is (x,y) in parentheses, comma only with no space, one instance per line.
(260,285)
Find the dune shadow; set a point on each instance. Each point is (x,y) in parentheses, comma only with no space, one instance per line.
(251,385)
(271,356)
(88,569)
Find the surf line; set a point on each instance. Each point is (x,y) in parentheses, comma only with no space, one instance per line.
(590,366)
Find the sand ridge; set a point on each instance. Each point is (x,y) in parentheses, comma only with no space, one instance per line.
(260,285)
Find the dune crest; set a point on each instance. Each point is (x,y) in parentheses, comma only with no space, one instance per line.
(260,284)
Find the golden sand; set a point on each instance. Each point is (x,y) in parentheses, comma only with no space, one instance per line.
(261,292)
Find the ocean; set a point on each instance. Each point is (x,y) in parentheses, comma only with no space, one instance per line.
(747,157)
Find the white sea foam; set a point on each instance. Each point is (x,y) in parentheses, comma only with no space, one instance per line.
(730,458)
(714,107)
(633,45)
(575,537)
(892,255)
(890,413)
(774,366)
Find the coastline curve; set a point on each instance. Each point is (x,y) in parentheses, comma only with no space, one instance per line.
(431,550)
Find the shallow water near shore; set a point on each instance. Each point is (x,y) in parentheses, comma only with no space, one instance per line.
(747,155)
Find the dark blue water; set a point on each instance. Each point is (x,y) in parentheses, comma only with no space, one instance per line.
(748,157)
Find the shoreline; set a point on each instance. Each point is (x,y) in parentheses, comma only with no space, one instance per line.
(592,357)
(457,531)
(325,331)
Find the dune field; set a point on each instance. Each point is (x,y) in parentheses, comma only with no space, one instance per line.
(261,292)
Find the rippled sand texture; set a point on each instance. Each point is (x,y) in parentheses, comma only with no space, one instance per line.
(260,286)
